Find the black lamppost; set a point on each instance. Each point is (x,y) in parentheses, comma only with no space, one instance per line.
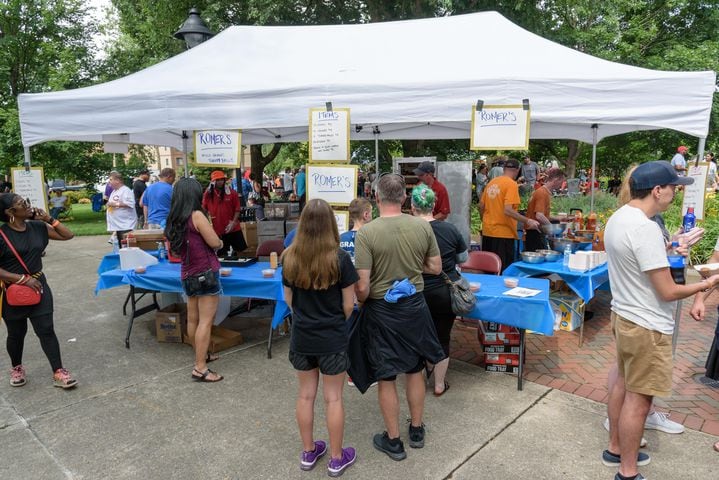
(193,31)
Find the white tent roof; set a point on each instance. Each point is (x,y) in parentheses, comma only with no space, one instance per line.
(414,79)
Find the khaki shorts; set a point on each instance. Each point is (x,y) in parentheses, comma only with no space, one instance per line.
(644,358)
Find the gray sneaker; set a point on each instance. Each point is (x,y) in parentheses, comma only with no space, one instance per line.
(416,436)
(610,459)
(395,452)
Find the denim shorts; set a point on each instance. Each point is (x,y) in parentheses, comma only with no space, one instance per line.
(331,364)
(216,290)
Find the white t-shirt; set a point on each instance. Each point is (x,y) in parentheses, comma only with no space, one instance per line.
(679,161)
(635,245)
(58,202)
(121,218)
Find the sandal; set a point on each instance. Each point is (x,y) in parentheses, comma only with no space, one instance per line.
(428,371)
(211,357)
(446,387)
(202,376)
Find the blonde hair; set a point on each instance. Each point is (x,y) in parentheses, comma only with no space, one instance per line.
(358,207)
(625,194)
(311,262)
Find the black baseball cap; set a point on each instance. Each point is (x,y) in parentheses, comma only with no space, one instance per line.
(424,167)
(659,172)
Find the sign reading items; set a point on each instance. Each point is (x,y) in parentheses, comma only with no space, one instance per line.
(694,194)
(217,148)
(500,127)
(30,184)
(336,184)
(329,135)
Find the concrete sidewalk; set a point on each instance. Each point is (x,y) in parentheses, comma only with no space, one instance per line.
(137,414)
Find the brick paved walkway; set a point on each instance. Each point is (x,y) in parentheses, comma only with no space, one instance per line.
(559,362)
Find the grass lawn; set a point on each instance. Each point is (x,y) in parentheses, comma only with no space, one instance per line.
(86,222)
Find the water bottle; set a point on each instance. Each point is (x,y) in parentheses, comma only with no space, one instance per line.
(115,245)
(161,253)
(690,220)
(676,265)
(567,254)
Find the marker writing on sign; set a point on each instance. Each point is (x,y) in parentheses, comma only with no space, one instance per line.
(334,183)
(215,139)
(499,118)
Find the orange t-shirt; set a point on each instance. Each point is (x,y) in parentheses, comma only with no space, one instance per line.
(499,192)
(539,203)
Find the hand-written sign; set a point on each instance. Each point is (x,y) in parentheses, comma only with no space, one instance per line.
(30,184)
(329,135)
(343,221)
(694,194)
(217,148)
(337,184)
(499,127)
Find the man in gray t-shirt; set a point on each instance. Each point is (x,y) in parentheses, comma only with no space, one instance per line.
(529,171)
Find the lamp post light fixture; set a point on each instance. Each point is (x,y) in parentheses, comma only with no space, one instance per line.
(193,31)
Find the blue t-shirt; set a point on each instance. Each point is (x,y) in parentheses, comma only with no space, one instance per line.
(158,197)
(290,236)
(246,188)
(301,184)
(347,242)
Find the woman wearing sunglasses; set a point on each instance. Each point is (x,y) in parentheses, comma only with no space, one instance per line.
(23,239)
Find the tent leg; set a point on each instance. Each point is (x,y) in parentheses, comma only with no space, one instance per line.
(595,127)
(376,156)
(700,150)
(26,151)
(184,151)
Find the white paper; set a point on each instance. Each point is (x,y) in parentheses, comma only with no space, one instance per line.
(522,292)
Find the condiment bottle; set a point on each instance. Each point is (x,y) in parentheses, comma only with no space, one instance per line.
(273,260)
(592,221)
(578,221)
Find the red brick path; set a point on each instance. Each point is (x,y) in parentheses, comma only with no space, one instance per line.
(558,362)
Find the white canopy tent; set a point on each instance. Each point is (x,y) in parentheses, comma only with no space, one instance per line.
(402,80)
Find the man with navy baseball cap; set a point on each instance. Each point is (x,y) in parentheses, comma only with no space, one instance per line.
(643,303)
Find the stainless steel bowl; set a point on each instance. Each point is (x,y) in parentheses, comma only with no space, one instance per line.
(584,235)
(559,244)
(554,229)
(532,257)
(550,255)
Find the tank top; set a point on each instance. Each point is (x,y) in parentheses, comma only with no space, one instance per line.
(198,257)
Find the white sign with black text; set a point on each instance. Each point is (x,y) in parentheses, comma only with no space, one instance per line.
(30,184)
(218,148)
(329,135)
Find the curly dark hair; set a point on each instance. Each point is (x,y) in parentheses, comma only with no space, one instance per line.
(6,201)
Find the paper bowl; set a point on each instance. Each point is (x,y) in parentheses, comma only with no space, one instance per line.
(140,269)
(268,272)
(475,286)
(225,272)
(511,282)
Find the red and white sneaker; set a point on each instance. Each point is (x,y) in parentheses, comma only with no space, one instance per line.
(17,376)
(63,379)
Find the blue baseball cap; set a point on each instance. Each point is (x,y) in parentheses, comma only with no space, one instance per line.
(659,172)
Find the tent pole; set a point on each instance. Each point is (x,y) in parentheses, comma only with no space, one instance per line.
(595,127)
(376,153)
(26,151)
(184,151)
(700,150)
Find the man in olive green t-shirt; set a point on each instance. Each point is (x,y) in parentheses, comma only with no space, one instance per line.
(401,335)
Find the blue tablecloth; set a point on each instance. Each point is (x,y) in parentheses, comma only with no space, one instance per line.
(531,313)
(582,283)
(165,277)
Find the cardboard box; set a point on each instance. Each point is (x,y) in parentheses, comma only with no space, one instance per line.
(497,338)
(147,239)
(277,211)
(220,339)
(502,359)
(501,368)
(499,327)
(171,323)
(500,348)
(569,308)
(249,230)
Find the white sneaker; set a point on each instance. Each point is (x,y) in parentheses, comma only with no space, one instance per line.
(642,442)
(660,421)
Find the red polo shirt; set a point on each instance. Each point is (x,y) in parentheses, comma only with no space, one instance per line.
(441,198)
(221,211)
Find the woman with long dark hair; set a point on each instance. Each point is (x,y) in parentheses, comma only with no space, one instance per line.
(192,238)
(27,231)
(453,250)
(319,278)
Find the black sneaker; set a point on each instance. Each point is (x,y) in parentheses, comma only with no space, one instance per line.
(416,436)
(395,452)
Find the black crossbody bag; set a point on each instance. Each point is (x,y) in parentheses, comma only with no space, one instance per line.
(199,282)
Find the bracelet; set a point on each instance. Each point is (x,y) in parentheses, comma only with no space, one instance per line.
(55,223)
(23,280)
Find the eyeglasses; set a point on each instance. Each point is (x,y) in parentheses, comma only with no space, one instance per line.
(391,173)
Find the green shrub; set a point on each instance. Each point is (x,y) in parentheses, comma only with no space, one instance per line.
(84,201)
(75,197)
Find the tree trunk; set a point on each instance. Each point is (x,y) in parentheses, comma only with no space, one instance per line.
(573,151)
(258,161)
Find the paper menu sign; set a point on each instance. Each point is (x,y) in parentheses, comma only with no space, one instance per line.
(329,135)
(694,194)
(30,184)
(218,148)
(522,292)
(499,127)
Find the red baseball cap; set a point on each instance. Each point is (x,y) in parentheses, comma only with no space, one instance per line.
(682,149)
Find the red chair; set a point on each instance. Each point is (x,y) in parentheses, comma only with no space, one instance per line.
(482,262)
(267,247)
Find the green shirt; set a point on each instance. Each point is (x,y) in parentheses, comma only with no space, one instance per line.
(394,248)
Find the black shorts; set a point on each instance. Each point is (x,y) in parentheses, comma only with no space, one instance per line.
(330,364)
(416,369)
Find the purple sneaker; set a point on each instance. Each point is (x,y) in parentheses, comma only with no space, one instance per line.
(337,466)
(308,460)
